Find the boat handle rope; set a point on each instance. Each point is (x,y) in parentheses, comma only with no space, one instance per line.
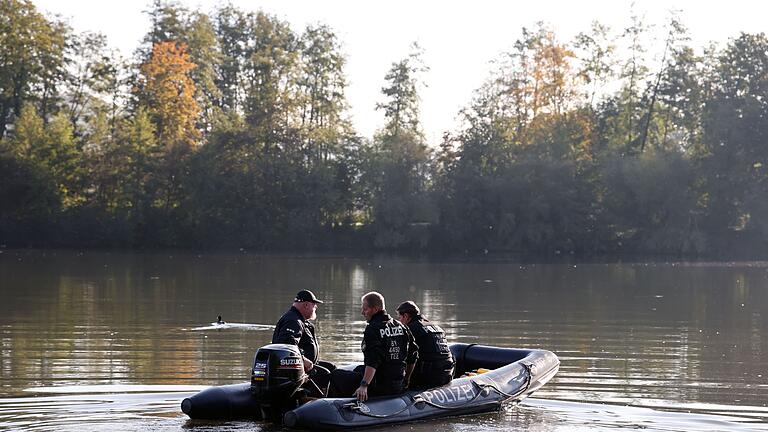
(355,406)
(523,390)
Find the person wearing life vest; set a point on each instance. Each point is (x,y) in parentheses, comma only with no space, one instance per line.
(435,364)
(295,328)
(389,353)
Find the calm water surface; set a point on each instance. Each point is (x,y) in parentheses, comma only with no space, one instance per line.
(90,341)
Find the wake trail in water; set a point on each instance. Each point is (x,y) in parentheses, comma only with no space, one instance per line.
(666,417)
(230,325)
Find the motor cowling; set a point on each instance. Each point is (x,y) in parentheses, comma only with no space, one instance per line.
(277,373)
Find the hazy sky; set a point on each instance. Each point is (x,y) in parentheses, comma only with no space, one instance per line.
(459,38)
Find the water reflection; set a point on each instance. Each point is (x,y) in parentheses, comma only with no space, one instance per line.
(660,336)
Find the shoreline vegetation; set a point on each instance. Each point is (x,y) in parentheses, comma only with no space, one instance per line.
(730,259)
(229,130)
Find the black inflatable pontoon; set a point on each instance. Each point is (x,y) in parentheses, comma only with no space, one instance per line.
(515,374)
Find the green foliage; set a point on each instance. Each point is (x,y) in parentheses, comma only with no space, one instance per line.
(321,99)
(31,60)
(204,52)
(50,149)
(651,203)
(277,170)
(734,135)
(396,168)
(28,202)
(92,87)
(239,137)
(401,108)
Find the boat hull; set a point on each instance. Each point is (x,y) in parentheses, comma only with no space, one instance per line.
(515,374)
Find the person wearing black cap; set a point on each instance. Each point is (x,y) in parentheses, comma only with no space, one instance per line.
(389,354)
(435,365)
(295,328)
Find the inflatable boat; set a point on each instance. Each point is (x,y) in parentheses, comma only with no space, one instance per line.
(512,375)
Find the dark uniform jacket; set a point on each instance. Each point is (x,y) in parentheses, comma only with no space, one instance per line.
(435,365)
(388,346)
(293,329)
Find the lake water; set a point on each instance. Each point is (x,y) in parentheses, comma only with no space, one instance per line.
(95,341)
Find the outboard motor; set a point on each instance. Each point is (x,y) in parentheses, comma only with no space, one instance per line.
(276,377)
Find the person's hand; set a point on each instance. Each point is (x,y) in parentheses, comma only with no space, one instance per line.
(308,365)
(361,393)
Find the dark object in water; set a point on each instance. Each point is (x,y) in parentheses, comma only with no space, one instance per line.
(220,321)
(515,374)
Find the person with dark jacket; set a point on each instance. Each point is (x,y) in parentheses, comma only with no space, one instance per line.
(389,354)
(295,328)
(435,365)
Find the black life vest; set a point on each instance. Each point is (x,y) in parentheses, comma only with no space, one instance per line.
(388,346)
(435,364)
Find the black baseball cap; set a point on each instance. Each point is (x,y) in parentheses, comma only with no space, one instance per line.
(306,295)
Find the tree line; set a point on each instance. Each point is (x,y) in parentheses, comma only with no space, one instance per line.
(230,129)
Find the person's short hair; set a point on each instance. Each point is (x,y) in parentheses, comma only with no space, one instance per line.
(373,299)
(408,307)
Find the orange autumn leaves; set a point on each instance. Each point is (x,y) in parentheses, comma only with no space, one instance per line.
(168,93)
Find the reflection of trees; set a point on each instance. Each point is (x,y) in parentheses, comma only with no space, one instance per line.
(622,331)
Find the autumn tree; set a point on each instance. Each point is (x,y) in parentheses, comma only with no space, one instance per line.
(536,78)
(172,22)
(236,134)
(168,93)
